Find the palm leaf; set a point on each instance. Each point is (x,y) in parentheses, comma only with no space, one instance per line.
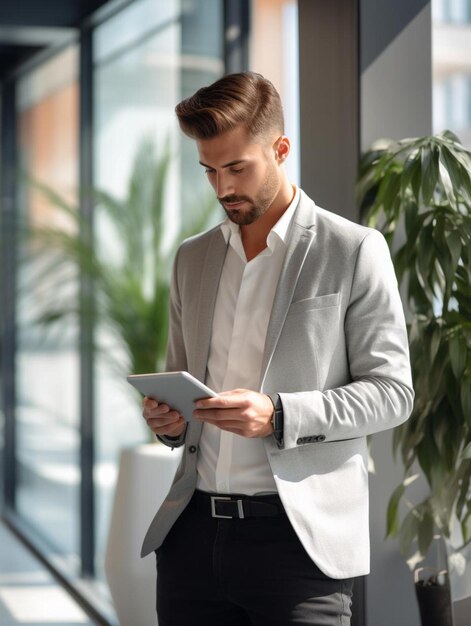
(130,278)
(424,184)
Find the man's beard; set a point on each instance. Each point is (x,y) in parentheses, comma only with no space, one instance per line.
(243,217)
(258,206)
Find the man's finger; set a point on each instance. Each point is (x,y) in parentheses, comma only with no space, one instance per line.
(168,418)
(161,409)
(221,402)
(167,429)
(150,403)
(219,414)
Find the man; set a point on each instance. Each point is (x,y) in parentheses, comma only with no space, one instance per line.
(292,313)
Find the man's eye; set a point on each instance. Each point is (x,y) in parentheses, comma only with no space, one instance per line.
(209,171)
(236,171)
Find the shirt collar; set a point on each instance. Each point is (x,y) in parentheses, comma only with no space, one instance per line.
(279,230)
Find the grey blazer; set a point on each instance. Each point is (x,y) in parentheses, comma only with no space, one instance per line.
(337,353)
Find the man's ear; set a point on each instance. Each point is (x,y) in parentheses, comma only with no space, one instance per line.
(282,148)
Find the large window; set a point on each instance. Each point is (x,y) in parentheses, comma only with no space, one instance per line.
(452,67)
(47,362)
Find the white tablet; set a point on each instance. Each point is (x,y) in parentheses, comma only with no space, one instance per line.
(179,390)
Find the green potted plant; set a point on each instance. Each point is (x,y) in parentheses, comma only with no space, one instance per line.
(418,193)
(129,297)
(131,277)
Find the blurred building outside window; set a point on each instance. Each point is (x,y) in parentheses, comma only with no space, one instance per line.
(48,362)
(451,45)
(274,53)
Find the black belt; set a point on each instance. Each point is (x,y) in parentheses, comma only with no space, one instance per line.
(236,506)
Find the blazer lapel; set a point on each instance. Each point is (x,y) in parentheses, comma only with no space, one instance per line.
(210,276)
(300,238)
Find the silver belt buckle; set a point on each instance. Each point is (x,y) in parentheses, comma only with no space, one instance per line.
(240,507)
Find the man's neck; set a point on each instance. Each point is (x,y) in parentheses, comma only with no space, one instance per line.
(254,236)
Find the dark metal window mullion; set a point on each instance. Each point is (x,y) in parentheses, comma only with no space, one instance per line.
(8,255)
(87,451)
(236,35)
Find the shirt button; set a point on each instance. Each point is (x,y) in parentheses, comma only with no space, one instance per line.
(222,487)
(299,441)
(192,449)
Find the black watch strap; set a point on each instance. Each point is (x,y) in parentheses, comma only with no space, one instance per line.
(277,419)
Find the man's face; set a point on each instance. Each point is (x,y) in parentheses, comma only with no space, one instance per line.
(243,172)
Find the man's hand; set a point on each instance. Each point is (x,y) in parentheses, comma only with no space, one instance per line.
(240,411)
(161,419)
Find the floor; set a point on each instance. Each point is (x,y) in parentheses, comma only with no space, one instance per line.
(29,595)
(28,592)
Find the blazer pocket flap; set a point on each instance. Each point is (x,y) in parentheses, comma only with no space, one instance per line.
(319,302)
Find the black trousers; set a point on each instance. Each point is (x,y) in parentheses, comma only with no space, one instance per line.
(241,572)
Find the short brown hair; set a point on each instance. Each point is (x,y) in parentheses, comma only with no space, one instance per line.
(246,98)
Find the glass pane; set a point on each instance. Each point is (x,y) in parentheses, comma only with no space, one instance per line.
(47,359)
(452,67)
(147,59)
(130,27)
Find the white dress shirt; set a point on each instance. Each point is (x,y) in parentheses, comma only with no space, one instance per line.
(229,463)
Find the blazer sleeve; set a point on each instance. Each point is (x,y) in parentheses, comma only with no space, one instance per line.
(176,354)
(380,394)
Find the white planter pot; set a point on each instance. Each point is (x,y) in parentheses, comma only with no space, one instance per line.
(145,476)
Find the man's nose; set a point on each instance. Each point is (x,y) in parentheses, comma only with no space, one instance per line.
(224,186)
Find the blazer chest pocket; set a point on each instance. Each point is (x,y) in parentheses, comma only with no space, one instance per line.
(311,304)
